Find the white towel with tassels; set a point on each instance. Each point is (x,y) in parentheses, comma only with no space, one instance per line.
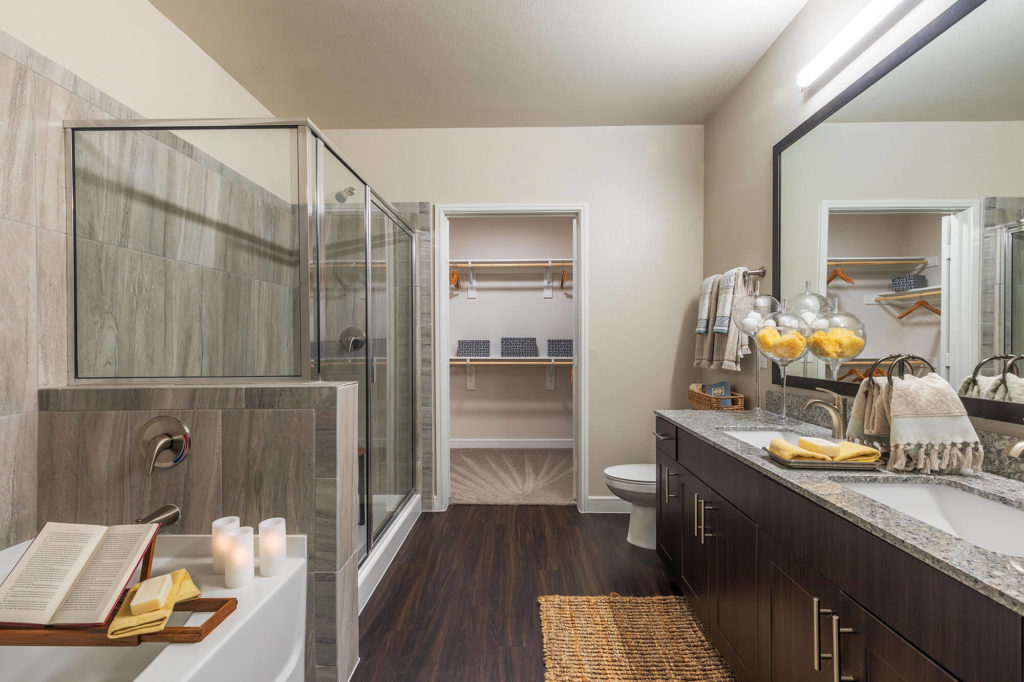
(931,432)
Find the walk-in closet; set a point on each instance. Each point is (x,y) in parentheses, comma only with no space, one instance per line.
(511,337)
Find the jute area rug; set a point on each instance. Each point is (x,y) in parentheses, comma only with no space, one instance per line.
(635,639)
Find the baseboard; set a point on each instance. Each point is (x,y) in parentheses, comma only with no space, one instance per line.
(510,443)
(606,504)
(376,565)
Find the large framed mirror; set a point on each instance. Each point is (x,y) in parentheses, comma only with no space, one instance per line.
(902,201)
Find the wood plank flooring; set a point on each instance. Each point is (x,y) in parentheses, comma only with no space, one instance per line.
(460,600)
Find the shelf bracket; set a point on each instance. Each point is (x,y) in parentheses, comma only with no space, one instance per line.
(551,376)
(548,293)
(471,287)
(470,376)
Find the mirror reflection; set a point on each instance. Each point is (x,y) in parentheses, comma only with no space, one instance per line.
(906,210)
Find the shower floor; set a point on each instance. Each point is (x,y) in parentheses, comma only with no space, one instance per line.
(495,476)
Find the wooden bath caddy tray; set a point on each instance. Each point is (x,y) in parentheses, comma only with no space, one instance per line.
(48,635)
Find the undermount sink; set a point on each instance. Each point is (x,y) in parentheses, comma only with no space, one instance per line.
(761,439)
(978,520)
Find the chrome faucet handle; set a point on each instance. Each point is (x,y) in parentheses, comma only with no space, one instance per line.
(1014,450)
(165,442)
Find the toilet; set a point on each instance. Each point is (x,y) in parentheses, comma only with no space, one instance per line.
(637,484)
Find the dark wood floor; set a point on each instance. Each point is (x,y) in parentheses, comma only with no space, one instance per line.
(460,600)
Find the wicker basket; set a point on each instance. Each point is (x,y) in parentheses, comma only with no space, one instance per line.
(703,401)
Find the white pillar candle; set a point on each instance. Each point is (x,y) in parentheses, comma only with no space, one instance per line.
(219,542)
(239,560)
(272,546)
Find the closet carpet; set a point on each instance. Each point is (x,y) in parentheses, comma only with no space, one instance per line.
(492,476)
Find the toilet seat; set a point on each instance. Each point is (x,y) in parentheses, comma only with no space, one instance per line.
(637,474)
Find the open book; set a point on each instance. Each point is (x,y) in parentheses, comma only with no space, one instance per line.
(73,574)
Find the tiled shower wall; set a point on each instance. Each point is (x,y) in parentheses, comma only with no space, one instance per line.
(257,452)
(177,254)
(419,217)
(36,96)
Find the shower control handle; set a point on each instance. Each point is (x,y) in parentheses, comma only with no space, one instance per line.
(352,339)
(165,442)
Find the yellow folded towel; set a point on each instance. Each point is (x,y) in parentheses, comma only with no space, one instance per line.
(125,624)
(787,450)
(855,452)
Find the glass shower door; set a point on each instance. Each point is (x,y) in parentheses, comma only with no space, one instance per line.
(391,362)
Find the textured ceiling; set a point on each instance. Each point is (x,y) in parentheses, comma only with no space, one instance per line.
(479,63)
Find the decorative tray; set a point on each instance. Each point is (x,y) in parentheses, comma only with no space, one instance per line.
(821,464)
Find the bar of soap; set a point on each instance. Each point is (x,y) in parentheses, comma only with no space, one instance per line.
(151,595)
(820,446)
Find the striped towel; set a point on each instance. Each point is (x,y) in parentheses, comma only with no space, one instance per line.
(704,349)
(732,280)
(704,306)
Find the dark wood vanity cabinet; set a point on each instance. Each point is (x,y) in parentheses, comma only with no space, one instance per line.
(775,578)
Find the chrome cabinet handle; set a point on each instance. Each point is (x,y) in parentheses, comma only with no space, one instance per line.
(704,508)
(696,505)
(664,483)
(661,436)
(837,672)
(816,632)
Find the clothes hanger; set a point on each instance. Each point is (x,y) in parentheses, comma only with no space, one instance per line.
(454,280)
(859,376)
(563,279)
(920,304)
(838,272)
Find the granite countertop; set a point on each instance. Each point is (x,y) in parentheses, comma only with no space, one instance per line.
(998,576)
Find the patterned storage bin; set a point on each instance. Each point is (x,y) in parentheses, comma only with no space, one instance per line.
(474,348)
(518,347)
(911,281)
(559,348)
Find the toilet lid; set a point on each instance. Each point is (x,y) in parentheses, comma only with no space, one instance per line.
(638,473)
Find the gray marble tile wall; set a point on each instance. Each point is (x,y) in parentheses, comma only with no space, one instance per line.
(258,451)
(36,96)
(419,217)
(177,256)
(995,461)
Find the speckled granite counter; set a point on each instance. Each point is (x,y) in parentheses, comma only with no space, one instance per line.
(998,576)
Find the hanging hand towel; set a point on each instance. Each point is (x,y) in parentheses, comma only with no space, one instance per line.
(855,428)
(931,432)
(877,419)
(708,295)
(1011,390)
(704,353)
(732,282)
(980,387)
(732,344)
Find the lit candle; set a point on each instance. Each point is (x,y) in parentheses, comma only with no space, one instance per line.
(238,561)
(272,546)
(220,544)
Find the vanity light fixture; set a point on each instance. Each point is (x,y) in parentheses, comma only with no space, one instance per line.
(868,18)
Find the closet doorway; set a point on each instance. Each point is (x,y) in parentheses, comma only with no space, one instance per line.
(508,339)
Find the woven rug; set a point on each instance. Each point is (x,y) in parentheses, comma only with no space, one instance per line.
(639,639)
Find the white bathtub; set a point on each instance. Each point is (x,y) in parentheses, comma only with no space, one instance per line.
(263,639)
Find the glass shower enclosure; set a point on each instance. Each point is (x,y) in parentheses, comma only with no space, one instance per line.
(233,251)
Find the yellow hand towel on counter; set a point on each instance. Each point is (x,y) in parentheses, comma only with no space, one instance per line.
(787,450)
(819,445)
(125,624)
(855,452)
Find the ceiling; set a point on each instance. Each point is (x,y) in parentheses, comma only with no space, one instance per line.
(479,63)
(972,72)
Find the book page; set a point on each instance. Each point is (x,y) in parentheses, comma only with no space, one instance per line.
(41,579)
(104,577)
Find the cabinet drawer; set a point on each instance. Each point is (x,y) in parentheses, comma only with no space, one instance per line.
(665,437)
(730,478)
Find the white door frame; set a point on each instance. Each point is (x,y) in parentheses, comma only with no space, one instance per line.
(581,375)
(964,265)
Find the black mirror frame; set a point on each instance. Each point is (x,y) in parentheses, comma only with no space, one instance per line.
(986,409)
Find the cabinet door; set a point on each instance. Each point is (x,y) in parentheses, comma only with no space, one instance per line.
(670,514)
(732,540)
(870,652)
(695,582)
(794,604)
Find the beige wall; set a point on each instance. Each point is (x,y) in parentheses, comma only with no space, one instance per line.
(765,107)
(643,187)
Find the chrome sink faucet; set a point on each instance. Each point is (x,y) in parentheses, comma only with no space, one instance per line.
(836,409)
